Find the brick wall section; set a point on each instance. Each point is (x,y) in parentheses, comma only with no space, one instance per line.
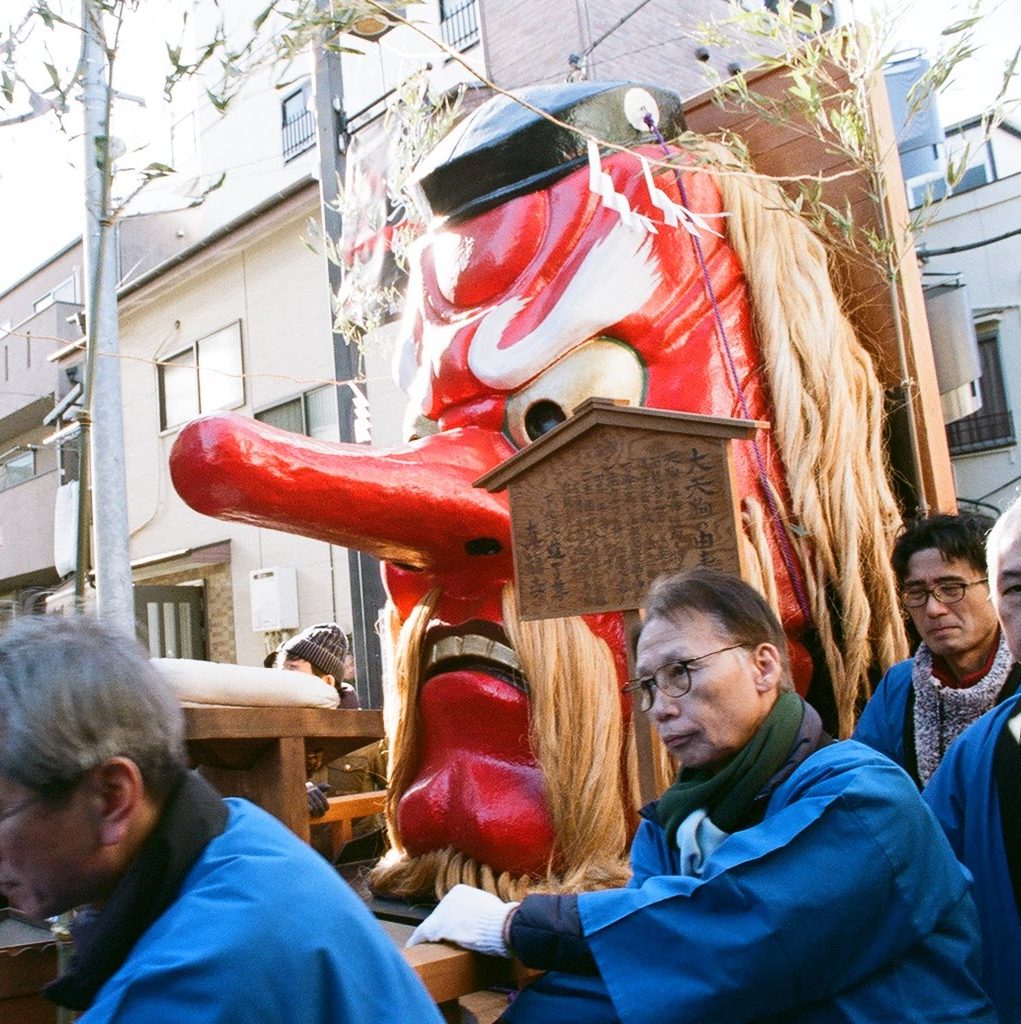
(529,42)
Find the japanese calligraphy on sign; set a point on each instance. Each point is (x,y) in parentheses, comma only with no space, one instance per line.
(619,497)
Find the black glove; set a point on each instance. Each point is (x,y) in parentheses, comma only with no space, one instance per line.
(318,805)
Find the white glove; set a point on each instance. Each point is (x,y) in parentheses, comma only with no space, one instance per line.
(467,917)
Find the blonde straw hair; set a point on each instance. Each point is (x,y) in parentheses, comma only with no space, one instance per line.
(827,408)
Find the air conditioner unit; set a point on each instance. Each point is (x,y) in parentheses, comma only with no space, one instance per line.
(274,598)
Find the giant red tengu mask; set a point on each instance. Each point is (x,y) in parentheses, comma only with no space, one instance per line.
(550,273)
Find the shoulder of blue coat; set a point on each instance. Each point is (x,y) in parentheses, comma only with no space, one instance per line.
(851,763)
(899,673)
(269,850)
(895,681)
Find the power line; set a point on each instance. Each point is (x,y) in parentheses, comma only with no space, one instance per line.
(613,28)
(925,254)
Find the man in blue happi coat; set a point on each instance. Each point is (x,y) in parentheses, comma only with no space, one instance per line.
(782,877)
(962,666)
(193,908)
(976,793)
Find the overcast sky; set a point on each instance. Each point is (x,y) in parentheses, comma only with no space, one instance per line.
(40,168)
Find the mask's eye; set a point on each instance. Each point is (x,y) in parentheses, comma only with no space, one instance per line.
(542,417)
(600,368)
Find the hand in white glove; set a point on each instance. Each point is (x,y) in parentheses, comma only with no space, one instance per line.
(467,917)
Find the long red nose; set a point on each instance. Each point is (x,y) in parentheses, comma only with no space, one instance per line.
(414,505)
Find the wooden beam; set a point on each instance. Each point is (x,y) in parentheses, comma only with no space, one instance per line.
(260,753)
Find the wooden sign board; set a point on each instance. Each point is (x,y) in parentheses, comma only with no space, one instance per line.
(615,497)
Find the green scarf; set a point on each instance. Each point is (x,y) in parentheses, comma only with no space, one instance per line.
(727,791)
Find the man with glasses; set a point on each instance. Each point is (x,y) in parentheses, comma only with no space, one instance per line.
(962,666)
(193,908)
(781,877)
(974,793)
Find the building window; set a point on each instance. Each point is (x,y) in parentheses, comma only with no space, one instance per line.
(203,377)
(993,425)
(313,414)
(69,456)
(66,291)
(298,122)
(18,468)
(170,621)
(459,23)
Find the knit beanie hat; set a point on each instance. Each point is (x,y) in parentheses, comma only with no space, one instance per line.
(322,646)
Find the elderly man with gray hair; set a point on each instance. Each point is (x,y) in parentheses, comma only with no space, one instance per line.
(782,877)
(194,908)
(975,791)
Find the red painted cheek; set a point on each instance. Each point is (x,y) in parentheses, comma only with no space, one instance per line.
(609,627)
(406,587)
(478,788)
(476,262)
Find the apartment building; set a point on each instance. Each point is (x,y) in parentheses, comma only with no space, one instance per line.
(37,318)
(222,305)
(970,252)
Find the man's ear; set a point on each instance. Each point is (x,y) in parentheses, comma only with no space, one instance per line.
(768,667)
(118,795)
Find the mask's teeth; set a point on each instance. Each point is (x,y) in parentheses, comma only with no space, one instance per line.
(475,648)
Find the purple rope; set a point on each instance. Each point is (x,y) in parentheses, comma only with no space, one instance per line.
(721,330)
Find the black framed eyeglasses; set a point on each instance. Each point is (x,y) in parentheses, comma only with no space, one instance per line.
(949,592)
(672,679)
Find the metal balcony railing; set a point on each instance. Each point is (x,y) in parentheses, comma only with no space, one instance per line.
(459,24)
(980,431)
(299,135)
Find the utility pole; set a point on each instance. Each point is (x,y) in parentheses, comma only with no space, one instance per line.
(367,594)
(103,424)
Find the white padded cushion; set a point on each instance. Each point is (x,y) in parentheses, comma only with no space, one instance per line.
(238,686)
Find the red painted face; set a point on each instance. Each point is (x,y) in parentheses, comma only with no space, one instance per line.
(514,318)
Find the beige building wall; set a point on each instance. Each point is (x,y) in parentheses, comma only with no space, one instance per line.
(265,278)
(991,476)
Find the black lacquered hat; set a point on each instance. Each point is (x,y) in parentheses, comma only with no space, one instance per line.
(503,149)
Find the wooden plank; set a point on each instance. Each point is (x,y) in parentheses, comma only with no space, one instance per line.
(449,972)
(214,721)
(344,810)
(354,805)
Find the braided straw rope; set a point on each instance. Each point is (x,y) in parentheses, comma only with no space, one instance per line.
(827,422)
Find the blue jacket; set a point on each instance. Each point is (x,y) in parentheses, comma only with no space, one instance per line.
(882,723)
(263,931)
(967,800)
(887,723)
(845,904)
